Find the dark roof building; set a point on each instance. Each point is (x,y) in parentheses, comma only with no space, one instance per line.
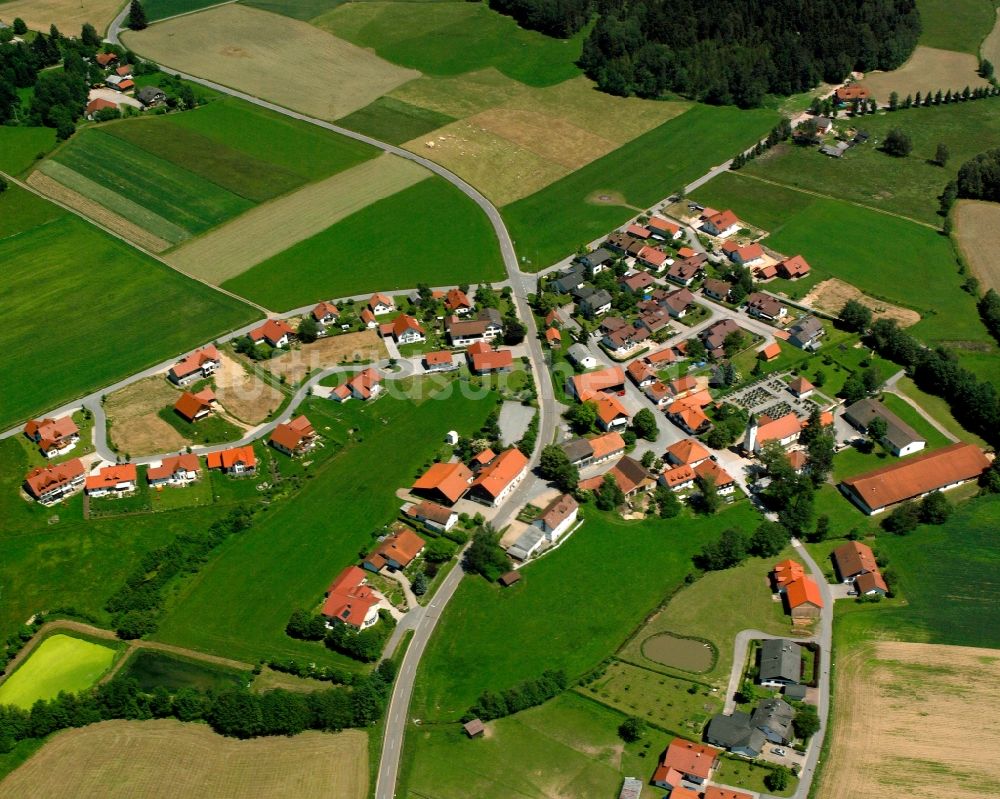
(780,662)
(773,717)
(736,733)
(900,438)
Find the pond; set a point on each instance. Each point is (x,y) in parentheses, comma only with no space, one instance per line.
(687,654)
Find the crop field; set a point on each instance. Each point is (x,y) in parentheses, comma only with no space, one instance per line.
(19,146)
(955,24)
(977,232)
(909,186)
(273,57)
(449,38)
(887,691)
(239,603)
(67,15)
(59,663)
(928,69)
(472,649)
(553,222)
(449,241)
(271,229)
(567,747)
(165,758)
(107,290)
(801,223)
(394,121)
(161,9)
(297,9)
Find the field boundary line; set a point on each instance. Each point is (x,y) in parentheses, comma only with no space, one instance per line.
(822,196)
(192,11)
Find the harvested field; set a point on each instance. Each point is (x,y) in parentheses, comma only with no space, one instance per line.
(991,44)
(278,58)
(928,69)
(890,695)
(977,231)
(832,294)
(273,227)
(461,95)
(550,137)
(244,395)
(55,190)
(167,759)
(67,15)
(366,346)
(133,424)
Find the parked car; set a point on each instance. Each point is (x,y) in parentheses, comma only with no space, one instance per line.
(779,751)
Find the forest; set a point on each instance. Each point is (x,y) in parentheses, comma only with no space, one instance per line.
(727,52)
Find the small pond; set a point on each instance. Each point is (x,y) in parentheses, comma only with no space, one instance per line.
(688,654)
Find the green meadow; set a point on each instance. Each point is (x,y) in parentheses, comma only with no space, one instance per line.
(59,663)
(550,224)
(429,233)
(239,603)
(82,309)
(394,121)
(956,24)
(297,9)
(19,147)
(161,9)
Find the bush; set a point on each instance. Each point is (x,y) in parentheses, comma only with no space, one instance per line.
(492,705)
(632,729)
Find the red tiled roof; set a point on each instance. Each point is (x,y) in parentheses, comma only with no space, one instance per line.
(191,405)
(325,309)
(552,335)
(666,355)
(771,351)
(438,358)
(401,547)
(871,581)
(852,92)
(711,469)
(185,462)
(195,361)
(607,444)
(493,479)
(291,435)
(110,476)
(49,431)
(381,299)
(653,256)
(793,267)
(44,478)
(272,330)
(638,231)
(125,85)
(609,407)
(715,792)
(349,599)
(853,558)
(778,429)
(456,299)
(787,571)
(681,385)
(432,511)
(800,385)
(228,458)
(640,371)
(105,58)
(98,104)
(488,359)
(604,379)
(803,591)
(450,479)
(688,757)
(402,323)
(687,451)
(662,225)
(723,220)
(484,456)
(678,475)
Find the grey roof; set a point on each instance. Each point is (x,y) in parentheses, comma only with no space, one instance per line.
(578,353)
(577,449)
(149,92)
(806,329)
(598,299)
(775,716)
(897,433)
(582,292)
(631,789)
(597,257)
(735,732)
(780,659)
(526,543)
(797,692)
(490,314)
(569,279)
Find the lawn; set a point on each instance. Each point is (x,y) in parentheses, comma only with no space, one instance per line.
(949,315)
(151,669)
(491,638)
(59,663)
(449,38)
(938,408)
(553,222)
(239,603)
(19,147)
(745,774)
(449,241)
(394,121)
(960,25)
(213,429)
(909,186)
(83,309)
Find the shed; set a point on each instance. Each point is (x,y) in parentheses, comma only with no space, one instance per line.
(508,579)
(474,728)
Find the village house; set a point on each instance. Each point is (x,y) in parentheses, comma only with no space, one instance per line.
(677,303)
(806,333)
(773,717)
(558,516)
(631,476)
(51,484)
(685,760)
(714,337)
(593,302)
(395,552)
(677,478)
(365,385)
(856,565)
(176,470)
(236,461)
(351,601)
(655,321)
(800,387)
(900,439)
(404,329)
(637,231)
(54,437)
(764,306)
(193,407)
(597,261)
(627,338)
(440,361)
(786,572)
(368,317)
(457,302)
(688,413)
(381,304)
(485,327)
(717,289)
(293,438)
(769,353)
(658,393)
(572,278)
(720,223)
(325,314)
(793,268)
(196,366)
(725,483)
(744,255)
(445,482)
(720,792)
(151,96)
(583,452)
(96,105)
(685,271)
(851,93)
(736,733)
(638,283)
(433,515)
(611,414)
(119,84)
(687,452)
(641,373)
(803,599)
(119,479)
(553,337)
(664,229)
(483,358)
(609,380)
(106,59)
(940,470)
(494,483)
(780,662)
(275,332)
(581,356)
(654,258)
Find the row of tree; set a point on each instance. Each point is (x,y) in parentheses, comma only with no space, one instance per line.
(529,693)
(941,97)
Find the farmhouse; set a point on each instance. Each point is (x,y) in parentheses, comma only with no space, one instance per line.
(396,551)
(50,484)
(485,327)
(557,518)
(720,223)
(483,358)
(630,475)
(435,516)
(363,386)
(177,470)
(780,662)
(718,792)
(494,483)
(764,306)
(745,255)
(325,314)
(275,332)
(457,302)
(199,364)
(120,84)
(940,470)
(444,481)
(351,601)
(899,438)
(588,451)
(293,438)
(98,104)
(685,760)
(404,329)
(803,599)
(54,437)
(806,333)
(118,479)
(610,380)
(664,229)
(855,563)
(236,461)
(151,96)
(380,304)
(193,407)
(106,59)
(440,361)
(850,93)
(793,268)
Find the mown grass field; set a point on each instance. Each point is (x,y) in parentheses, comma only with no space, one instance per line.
(67,15)
(449,38)
(83,309)
(59,663)
(394,121)
(553,222)
(927,70)
(239,603)
(977,228)
(491,638)
(803,223)
(909,186)
(161,9)
(961,25)
(297,9)
(20,146)
(437,237)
